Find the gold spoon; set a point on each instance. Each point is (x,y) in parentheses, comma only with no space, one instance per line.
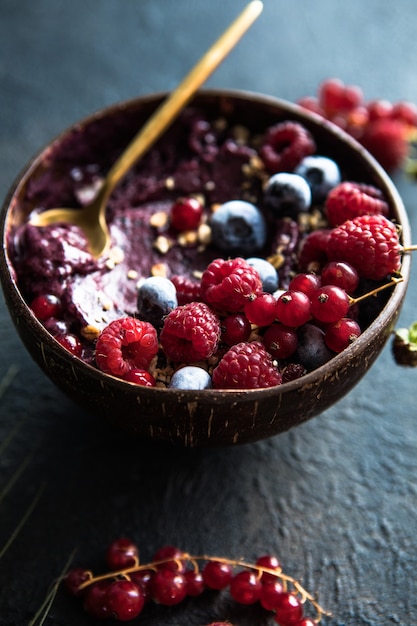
(92,218)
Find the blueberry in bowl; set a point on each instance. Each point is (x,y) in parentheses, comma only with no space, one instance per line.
(214,318)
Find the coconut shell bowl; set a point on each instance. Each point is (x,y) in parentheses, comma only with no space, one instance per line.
(204,417)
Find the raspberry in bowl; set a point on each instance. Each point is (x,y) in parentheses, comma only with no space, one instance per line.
(233,302)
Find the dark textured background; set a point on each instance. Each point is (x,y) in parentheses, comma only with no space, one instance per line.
(336,498)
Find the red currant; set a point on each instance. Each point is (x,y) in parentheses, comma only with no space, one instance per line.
(71,343)
(261,310)
(306,621)
(340,274)
(329,304)
(95,600)
(217,575)
(122,553)
(140,377)
(195,582)
(379,109)
(143,578)
(45,306)
(186,214)
(271,593)
(293,308)
(280,341)
(289,611)
(405,112)
(124,600)
(168,587)
(74,579)
(235,328)
(306,282)
(341,334)
(269,561)
(245,587)
(174,556)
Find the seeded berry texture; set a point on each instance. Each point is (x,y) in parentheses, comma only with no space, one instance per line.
(125,344)
(369,243)
(286,144)
(246,366)
(190,333)
(349,200)
(226,285)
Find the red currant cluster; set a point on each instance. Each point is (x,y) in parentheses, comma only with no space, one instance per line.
(385,129)
(174,575)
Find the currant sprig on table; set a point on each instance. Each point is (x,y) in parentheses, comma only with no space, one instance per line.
(174,575)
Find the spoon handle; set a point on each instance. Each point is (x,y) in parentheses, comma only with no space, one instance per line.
(177,100)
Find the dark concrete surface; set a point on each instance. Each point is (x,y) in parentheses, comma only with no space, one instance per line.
(336,498)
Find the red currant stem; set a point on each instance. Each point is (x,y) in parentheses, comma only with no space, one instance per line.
(394,281)
(411,248)
(193,559)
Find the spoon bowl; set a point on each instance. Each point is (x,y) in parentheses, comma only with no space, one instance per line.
(92,217)
(199,418)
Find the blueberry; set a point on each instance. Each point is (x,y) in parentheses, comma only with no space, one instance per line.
(191,377)
(287,195)
(321,173)
(267,272)
(238,227)
(157,296)
(312,350)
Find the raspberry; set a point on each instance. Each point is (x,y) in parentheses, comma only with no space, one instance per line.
(188,290)
(191,332)
(125,344)
(227,285)
(313,253)
(246,366)
(370,243)
(285,145)
(386,140)
(350,199)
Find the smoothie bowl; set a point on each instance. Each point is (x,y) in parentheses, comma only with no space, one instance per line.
(201,324)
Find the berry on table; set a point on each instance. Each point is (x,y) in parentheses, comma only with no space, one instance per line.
(171,558)
(246,366)
(271,593)
(387,140)
(121,553)
(336,98)
(194,582)
(125,344)
(217,575)
(124,600)
(227,285)
(271,562)
(245,587)
(287,194)
(74,579)
(289,610)
(321,173)
(190,333)
(238,227)
(168,587)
